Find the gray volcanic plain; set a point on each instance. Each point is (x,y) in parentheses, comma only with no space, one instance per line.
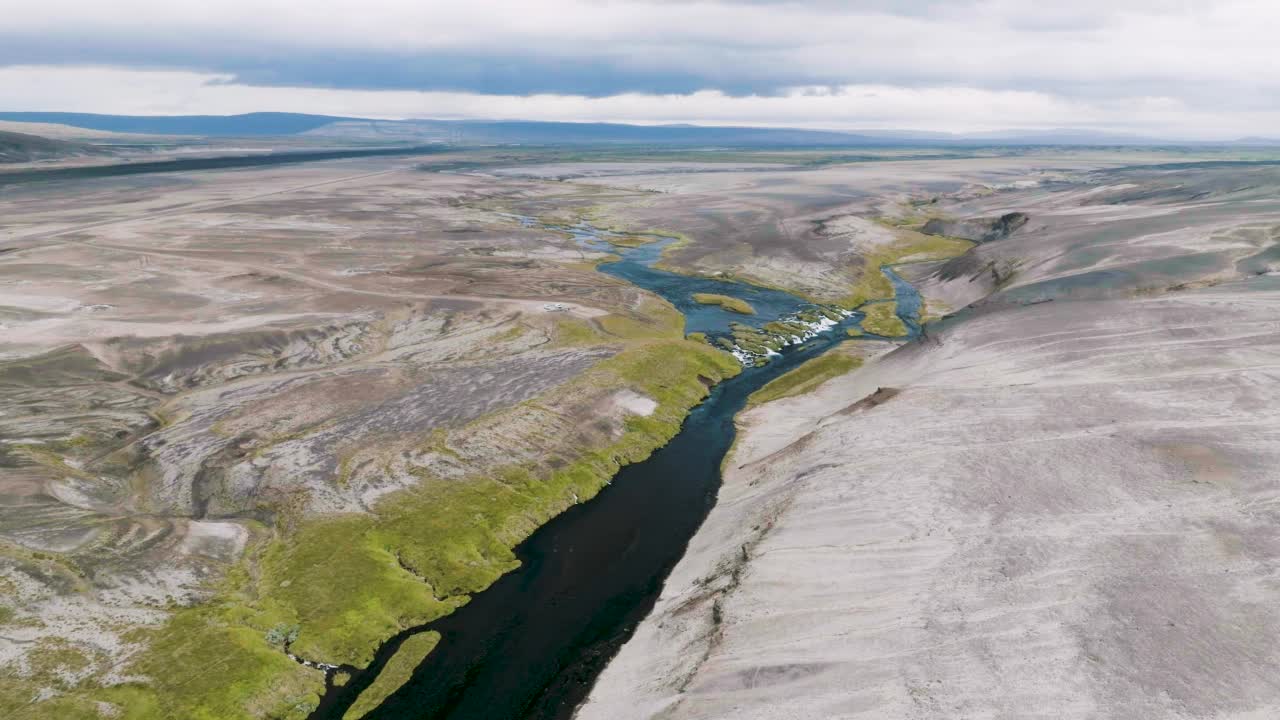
(1061,502)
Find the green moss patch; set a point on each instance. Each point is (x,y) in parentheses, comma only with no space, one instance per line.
(755,340)
(209,663)
(397,672)
(882,319)
(732,304)
(805,378)
(910,247)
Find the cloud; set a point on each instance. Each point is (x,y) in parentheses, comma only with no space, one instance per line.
(1212,58)
(604,48)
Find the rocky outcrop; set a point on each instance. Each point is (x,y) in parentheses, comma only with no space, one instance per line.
(979,230)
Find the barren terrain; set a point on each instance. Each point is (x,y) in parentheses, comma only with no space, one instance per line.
(255,417)
(1058,503)
(194,364)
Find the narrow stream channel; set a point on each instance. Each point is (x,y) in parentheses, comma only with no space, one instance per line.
(532,644)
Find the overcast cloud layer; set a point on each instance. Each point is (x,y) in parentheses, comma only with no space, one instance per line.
(1192,68)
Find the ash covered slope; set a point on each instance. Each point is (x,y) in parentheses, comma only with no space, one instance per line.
(1048,509)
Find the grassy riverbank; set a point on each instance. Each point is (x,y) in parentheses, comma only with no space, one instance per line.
(340,585)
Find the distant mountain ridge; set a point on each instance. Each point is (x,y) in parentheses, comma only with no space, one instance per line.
(489,132)
(564,133)
(249,124)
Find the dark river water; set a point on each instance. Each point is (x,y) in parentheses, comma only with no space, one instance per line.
(532,644)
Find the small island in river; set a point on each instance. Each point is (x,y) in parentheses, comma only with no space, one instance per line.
(732,304)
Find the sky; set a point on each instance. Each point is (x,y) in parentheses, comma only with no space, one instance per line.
(1193,69)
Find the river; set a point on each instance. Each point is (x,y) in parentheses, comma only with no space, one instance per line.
(532,644)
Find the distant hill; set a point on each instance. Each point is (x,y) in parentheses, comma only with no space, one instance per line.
(252,124)
(565,133)
(462,131)
(524,132)
(488,132)
(1067,136)
(68,132)
(21,147)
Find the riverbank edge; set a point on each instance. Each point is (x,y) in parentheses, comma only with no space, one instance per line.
(689,613)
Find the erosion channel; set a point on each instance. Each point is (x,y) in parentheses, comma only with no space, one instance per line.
(531,645)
